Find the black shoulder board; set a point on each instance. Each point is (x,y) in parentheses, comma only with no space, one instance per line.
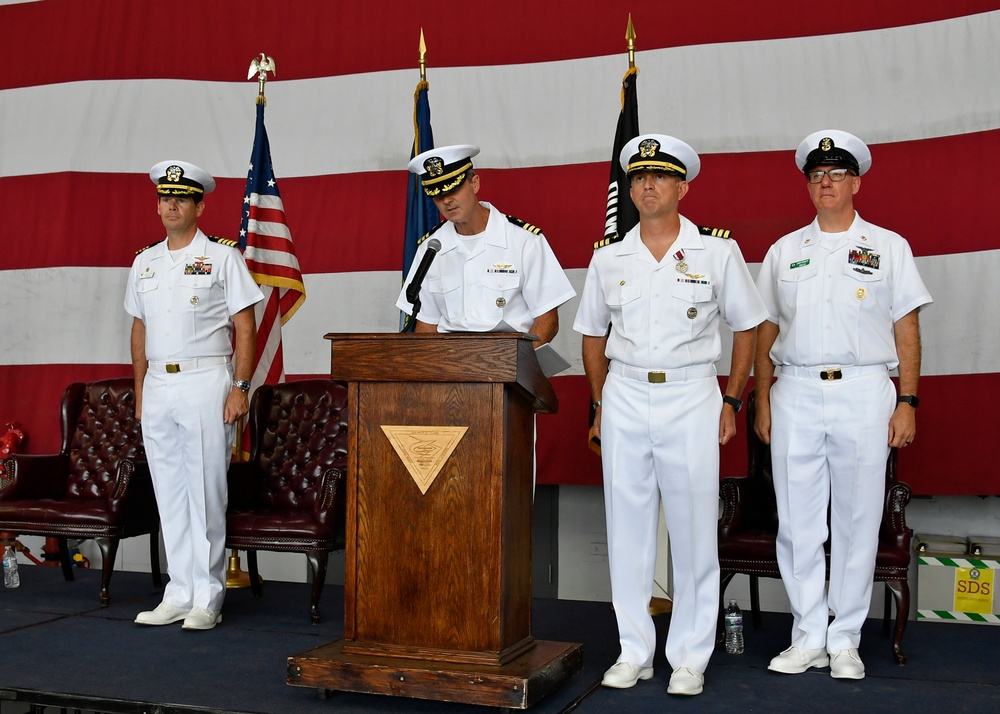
(429,233)
(608,241)
(224,241)
(150,246)
(525,225)
(716,232)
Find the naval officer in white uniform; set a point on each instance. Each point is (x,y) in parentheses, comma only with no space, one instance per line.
(843,297)
(664,288)
(491,268)
(188,295)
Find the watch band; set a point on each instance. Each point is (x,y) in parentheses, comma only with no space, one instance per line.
(909,399)
(242,384)
(594,405)
(735,403)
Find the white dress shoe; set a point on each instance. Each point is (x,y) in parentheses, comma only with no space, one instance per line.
(201,619)
(795,660)
(164,614)
(623,675)
(686,682)
(846,664)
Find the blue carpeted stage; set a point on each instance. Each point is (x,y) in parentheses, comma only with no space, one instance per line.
(58,648)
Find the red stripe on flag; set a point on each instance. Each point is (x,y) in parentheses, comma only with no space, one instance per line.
(940,461)
(320,39)
(759,196)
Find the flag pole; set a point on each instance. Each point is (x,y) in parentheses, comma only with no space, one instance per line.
(236,577)
(629,37)
(422,49)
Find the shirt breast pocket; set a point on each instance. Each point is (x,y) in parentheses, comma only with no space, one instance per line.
(796,286)
(623,300)
(199,287)
(146,288)
(446,294)
(865,289)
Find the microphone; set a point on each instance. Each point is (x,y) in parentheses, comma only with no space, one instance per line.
(413,289)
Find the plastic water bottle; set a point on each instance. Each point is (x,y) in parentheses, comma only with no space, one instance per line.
(10,577)
(734,629)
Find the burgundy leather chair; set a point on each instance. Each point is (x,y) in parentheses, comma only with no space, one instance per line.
(748,529)
(291,495)
(97,486)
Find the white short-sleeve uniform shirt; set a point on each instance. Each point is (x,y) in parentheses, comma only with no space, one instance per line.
(835,299)
(666,315)
(510,276)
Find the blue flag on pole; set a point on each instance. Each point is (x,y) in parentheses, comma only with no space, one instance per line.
(421,213)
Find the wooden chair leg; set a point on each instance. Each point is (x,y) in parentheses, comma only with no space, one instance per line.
(317,563)
(109,551)
(886,610)
(154,557)
(254,574)
(64,561)
(901,593)
(755,601)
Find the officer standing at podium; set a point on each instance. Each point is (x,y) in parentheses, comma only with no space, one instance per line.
(188,295)
(493,271)
(664,287)
(843,297)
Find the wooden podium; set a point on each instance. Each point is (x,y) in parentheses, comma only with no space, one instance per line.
(437,598)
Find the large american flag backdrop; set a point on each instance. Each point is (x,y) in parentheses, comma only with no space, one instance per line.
(93,94)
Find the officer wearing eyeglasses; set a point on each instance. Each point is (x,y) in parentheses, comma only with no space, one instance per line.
(843,297)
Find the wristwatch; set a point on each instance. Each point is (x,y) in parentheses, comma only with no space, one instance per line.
(242,385)
(594,405)
(909,399)
(735,403)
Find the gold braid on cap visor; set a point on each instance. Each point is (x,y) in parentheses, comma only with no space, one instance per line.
(655,166)
(177,189)
(431,187)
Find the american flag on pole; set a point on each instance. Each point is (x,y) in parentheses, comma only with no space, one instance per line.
(270,256)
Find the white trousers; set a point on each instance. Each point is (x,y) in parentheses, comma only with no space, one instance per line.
(661,442)
(188,446)
(829,445)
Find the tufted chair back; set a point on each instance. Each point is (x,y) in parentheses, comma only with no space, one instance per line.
(301,432)
(97,486)
(99,429)
(291,494)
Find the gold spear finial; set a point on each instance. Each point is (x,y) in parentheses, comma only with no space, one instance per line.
(423,57)
(260,66)
(630,38)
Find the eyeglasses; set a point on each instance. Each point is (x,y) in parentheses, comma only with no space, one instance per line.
(834,174)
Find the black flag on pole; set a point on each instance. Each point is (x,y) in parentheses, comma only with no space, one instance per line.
(622,214)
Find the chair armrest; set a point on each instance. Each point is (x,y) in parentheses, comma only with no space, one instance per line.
(733,490)
(894,516)
(33,476)
(243,479)
(332,503)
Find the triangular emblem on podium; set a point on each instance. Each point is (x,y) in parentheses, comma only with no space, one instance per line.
(424,449)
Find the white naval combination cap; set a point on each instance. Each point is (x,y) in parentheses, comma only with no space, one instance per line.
(444,169)
(659,152)
(833,147)
(180,178)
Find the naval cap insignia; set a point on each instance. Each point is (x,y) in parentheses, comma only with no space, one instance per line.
(434,166)
(174,173)
(826,143)
(648,148)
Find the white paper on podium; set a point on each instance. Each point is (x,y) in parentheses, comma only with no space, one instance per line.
(551,362)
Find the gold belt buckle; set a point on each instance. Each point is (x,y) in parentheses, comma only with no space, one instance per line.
(657,377)
(173,368)
(830,374)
